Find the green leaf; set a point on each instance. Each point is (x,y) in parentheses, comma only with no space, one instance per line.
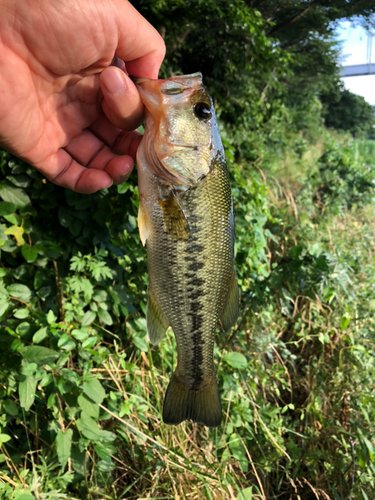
(65,216)
(370,448)
(140,340)
(7,208)
(44,292)
(235,359)
(21,313)
(94,390)
(107,437)
(105,450)
(64,446)
(17,345)
(80,335)
(23,495)
(238,451)
(19,291)
(141,323)
(29,253)
(88,406)
(29,369)
(39,355)
(88,318)
(23,329)
(246,494)
(26,390)
(88,427)
(21,180)
(345,321)
(38,279)
(12,219)
(3,294)
(13,195)
(3,308)
(90,342)
(66,343)
(4,438)
(122,188)
(105,466)
(40,335)
(10,407)
(78,459)
(51,318)
(105,317)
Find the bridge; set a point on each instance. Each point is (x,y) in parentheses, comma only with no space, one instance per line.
(361,69)
(358,70)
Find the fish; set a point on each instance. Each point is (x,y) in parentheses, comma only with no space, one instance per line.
(186,220)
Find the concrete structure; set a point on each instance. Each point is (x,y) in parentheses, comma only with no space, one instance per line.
(358,70)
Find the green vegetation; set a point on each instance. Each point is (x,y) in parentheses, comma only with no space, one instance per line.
(346,111)
(81,389)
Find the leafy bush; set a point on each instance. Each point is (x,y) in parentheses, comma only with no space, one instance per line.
(81,390)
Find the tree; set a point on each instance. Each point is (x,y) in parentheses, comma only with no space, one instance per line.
(344,110)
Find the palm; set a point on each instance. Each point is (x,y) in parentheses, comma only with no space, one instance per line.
(50,114)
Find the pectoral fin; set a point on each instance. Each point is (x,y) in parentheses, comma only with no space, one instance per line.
(157,325)
(143,224)
(174,219)
(230,311)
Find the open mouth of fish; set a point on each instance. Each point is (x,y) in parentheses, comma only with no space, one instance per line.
(181,147)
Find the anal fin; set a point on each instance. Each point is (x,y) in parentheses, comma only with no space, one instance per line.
(157,325)
(231,307)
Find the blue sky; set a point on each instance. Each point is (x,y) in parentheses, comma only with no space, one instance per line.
(355,51)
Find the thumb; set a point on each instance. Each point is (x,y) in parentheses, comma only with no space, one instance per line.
(121,101)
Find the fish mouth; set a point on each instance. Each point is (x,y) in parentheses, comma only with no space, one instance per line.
(139,79)
(182,147)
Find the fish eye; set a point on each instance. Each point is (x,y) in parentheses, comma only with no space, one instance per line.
(202,110)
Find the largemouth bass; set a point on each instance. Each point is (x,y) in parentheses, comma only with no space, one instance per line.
(186,219)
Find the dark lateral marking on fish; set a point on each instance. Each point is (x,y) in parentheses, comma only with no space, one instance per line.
(196,266)
(196,306)
(196,248)
(195,290)
(197,321)
(193,280)
(194,295)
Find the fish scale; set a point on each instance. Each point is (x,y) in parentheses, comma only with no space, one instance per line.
(192,281)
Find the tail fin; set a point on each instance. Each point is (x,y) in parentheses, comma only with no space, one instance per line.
(202,406)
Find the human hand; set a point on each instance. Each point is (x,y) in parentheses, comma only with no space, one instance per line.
(52,57)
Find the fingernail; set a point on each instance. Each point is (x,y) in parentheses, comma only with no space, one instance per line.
(109,185)
(123,178)
(119,63)
(114,82)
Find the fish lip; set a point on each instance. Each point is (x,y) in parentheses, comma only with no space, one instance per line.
(186,147)
(137,80)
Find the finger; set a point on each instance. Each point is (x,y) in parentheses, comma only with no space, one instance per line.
(120,142)
(121,101)
(61,169)
(140,45)
(87,165)
(90,152)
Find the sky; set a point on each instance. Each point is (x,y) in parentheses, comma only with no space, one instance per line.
(355,51)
